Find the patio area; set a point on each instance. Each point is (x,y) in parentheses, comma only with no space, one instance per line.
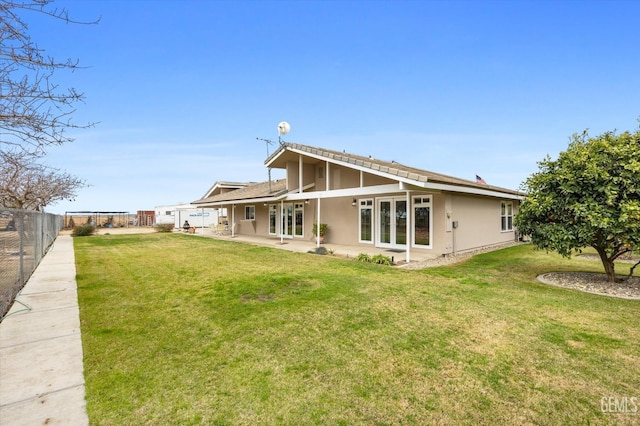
(304,246)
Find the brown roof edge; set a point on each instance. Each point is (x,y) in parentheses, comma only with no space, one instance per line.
(389,167)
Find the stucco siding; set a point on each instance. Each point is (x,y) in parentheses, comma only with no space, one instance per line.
(478,223)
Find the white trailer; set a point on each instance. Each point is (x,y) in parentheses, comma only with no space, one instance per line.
(197,217)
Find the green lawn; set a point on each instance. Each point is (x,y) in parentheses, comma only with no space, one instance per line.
(179,329)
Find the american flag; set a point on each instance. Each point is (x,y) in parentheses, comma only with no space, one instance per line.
(480,180)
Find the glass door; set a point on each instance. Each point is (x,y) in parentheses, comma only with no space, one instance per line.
(287,220)
(298,212)
(384,220)
(401,222)
(392,222)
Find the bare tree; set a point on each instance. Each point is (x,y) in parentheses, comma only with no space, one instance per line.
(35,112)
(26,184)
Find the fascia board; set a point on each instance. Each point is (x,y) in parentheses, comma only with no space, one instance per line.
(348,192)
(391,188)
(356,167)
(474,191)
(243,201)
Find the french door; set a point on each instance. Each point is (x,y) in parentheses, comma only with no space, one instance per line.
(287,220)
(392,222)
(292,220)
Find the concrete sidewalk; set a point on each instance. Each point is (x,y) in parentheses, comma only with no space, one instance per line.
(41,373)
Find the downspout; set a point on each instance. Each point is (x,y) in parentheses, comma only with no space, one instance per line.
(318,226)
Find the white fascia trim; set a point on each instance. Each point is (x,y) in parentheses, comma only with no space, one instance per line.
(355,167)
(399,187)
(474,191)
(348,192)
(243,201)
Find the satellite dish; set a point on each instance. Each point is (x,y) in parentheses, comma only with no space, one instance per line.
(283,128)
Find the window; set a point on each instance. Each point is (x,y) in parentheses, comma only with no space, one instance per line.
(506,216)
(422,221)
(273,221)
(249,212)
(168,213)
(366,221)
(298,213)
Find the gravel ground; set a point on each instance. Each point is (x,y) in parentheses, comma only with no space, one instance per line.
(592,282)
(454,258)
(597,283)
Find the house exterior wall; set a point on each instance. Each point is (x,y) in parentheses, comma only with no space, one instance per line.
(458,222)
(478,222)
(341,218)
(250,227)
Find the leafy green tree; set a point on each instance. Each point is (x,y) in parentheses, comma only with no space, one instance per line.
(588,197)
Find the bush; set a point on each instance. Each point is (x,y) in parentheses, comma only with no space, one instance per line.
(363,257)
(164,227)
(381,259)
(83,230)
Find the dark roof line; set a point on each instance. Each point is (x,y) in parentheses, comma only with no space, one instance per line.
(390,167)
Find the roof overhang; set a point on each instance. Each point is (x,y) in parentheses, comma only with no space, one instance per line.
(373,168)
(256,200)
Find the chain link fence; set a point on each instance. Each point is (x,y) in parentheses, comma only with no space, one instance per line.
(25,237)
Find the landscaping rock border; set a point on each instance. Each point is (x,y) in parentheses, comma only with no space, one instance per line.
(592,282)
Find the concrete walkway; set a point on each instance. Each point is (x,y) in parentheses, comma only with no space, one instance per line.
(41,373)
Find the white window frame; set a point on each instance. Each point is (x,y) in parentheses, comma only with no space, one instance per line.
(419,201)
(273,209)
(298,207)
(506,216)
(366,203)
(247,210)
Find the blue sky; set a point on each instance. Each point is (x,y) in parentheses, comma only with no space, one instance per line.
(182,89)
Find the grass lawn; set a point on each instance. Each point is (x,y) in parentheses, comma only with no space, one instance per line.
(182,330)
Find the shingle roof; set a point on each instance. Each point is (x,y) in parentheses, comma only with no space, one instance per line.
(387,167)
(251,191)
(225,184)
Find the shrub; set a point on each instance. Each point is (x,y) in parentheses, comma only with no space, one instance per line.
(323,229)
(83,230)
(164,227)
(381,259)
(363,257)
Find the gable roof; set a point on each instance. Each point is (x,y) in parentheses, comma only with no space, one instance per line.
(219,185)
(262,191)
(389,169)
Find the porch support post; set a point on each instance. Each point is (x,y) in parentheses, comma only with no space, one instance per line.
(300,180)
(408,241)
(327,181)
(318,226)
(233,220)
